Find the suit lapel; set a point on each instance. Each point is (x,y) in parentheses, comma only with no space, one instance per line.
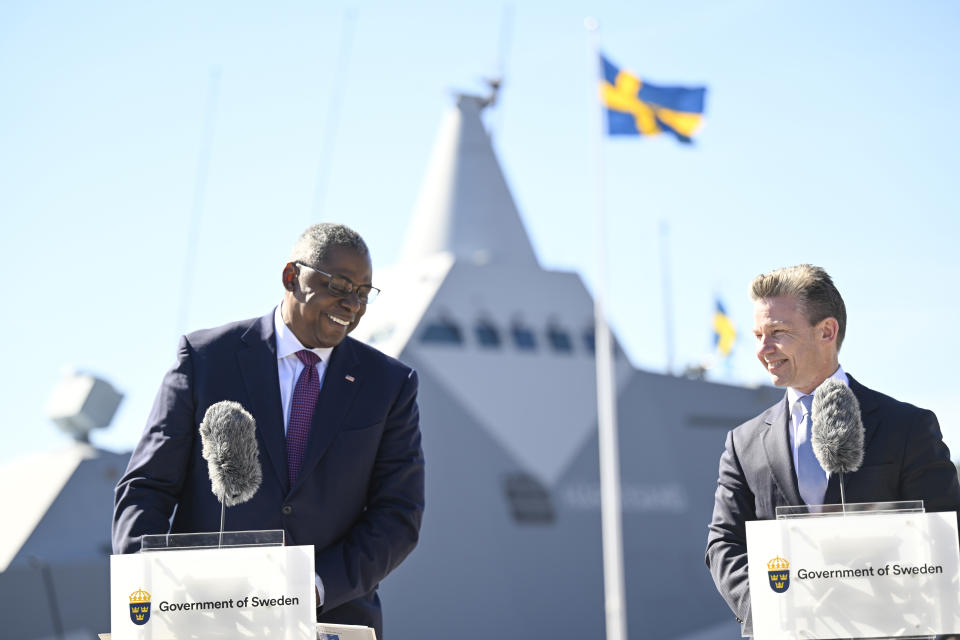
(776,444)
(871,419)
(258,366)
(868,410)
(340,385)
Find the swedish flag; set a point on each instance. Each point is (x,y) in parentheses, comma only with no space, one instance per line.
(724,333)
(635,107)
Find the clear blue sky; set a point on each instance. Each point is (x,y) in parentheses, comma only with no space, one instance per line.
(831,138)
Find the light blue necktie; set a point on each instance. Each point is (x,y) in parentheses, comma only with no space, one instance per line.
(811,478)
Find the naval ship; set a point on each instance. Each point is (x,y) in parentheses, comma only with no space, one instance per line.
(511,540)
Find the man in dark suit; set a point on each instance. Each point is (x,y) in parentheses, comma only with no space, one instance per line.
(799,325)
(337,427)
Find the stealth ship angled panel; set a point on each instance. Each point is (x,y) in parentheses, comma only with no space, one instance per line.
(511,543)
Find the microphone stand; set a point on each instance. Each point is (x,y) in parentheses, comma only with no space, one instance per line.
(223,512)
(843,497)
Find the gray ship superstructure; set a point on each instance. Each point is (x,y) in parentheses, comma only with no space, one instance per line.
(511,544)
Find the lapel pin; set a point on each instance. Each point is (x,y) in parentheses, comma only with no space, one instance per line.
(350,378)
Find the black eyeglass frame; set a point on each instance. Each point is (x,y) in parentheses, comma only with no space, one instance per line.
(365,297)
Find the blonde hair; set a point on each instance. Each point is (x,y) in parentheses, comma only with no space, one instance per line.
(817,297)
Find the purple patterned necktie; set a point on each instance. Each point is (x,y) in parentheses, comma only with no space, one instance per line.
(301,412)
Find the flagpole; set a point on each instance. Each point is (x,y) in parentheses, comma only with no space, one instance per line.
(667,293)
(610,502)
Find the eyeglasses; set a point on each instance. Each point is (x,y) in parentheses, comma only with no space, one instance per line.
(341,287)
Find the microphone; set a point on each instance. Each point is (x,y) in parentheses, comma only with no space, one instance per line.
(836,432)
(229,437)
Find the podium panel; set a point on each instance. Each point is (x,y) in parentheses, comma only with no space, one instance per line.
(855,576)
(325,631)
(260,592)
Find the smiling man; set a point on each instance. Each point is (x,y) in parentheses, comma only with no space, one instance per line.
(337,428)
(799,324)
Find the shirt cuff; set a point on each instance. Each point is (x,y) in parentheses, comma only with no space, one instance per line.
(320,591)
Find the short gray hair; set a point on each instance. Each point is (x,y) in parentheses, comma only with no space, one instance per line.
(817,297)
(315,243)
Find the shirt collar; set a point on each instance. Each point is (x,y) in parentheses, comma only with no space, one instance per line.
(839,375)
(288,344)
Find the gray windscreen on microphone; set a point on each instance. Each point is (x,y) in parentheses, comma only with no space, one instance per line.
(229,436)
(837,429)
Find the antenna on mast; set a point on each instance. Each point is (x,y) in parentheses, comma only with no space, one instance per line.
(332,121)
(503,50)
(199,193)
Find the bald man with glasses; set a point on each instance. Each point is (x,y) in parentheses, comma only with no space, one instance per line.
(337,427)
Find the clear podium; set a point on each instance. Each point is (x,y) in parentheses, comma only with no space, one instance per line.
(213,540)
(866,570)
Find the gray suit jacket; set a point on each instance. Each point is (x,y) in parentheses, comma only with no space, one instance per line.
(905,458)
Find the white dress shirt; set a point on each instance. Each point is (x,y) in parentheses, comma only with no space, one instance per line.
(289,365)
(796,411)
(288,369)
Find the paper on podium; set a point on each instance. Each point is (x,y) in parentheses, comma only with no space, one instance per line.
(344,632)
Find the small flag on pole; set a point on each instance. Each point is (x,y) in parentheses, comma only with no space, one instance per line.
(724,333)
(638,108)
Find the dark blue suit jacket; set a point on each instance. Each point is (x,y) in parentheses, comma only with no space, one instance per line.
(359,497)
(905,458)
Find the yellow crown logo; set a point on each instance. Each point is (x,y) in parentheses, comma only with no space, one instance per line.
(139,596)
(778,564)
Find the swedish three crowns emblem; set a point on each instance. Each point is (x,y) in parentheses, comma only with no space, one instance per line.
(779,571)
(139,606)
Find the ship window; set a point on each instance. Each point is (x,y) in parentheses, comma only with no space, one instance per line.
(487,334)
(559,340)
(441,332)
(523,338)
(590,340)
(529,500)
